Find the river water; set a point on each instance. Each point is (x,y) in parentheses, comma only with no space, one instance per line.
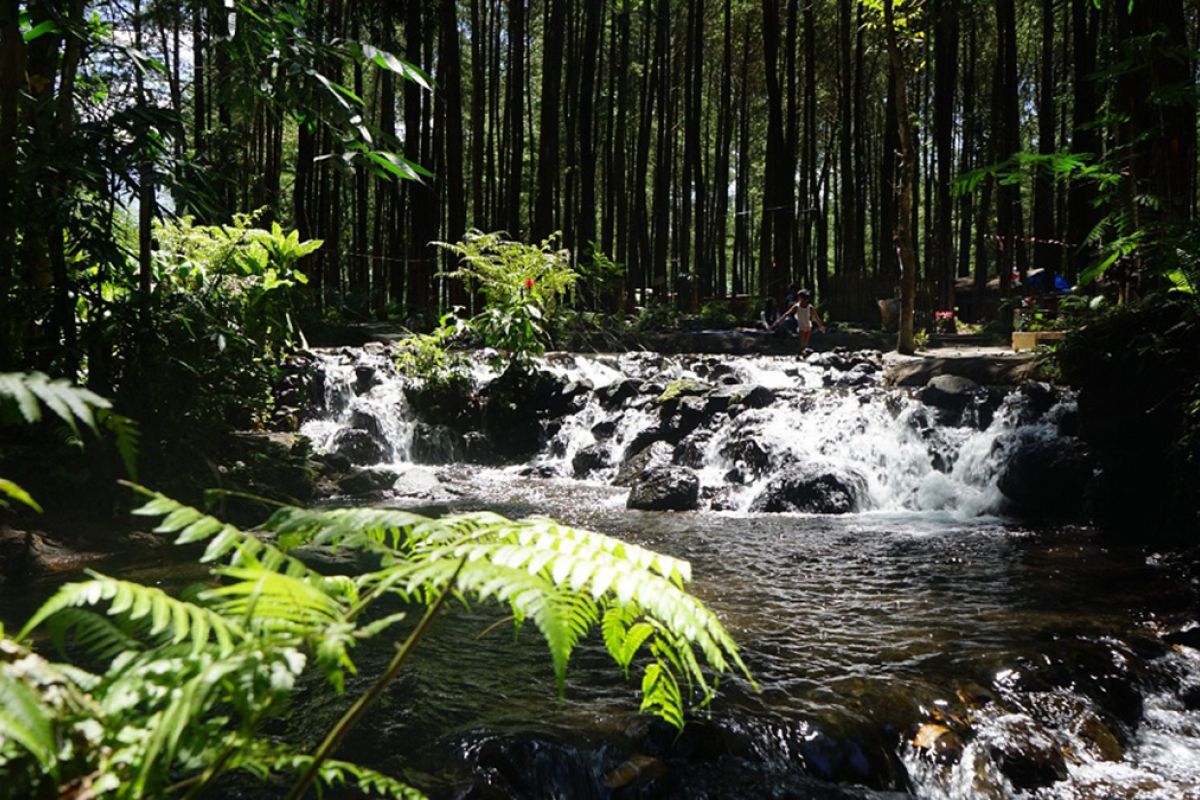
(925,644)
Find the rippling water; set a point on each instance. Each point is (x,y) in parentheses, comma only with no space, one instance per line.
(1038,651)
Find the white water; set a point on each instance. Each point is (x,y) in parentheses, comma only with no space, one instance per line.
(883,435)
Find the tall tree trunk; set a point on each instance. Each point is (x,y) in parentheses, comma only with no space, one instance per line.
(453,181)
(479,110)
(905,342)
(12,74)
(724,144)
(848,255)
(1045,252)
(546,186)
(941,255)
(776,213)
(515,125)
(587,146)
(662,166)
(1081,213)
(1007,133)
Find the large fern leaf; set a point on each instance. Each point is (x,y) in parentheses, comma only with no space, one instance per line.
(25,721)
(29,391)
(177,620)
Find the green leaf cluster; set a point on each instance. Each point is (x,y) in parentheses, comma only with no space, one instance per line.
(183,686)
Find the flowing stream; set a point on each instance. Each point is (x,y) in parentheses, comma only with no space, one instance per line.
(924,644)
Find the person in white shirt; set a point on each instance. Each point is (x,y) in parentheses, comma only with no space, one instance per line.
(806,316)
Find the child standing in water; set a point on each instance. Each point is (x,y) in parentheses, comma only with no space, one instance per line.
(806,316)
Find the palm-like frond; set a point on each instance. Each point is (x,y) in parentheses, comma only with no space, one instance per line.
(177,620)
(29,391)
(24,721)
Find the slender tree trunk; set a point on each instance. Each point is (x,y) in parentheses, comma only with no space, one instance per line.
(546,186)
(941,255)
(515,111)
(454,182)
(908,274)
(1085,139)
(587,146)
(848,253)
(12,74)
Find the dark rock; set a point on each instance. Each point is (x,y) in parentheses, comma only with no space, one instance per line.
(691,451)
(644,438)
(655,454)
(589,459)
(667,488)
(686,416)
(366,377)
(1046,477)
(334,462)
(436,444)
(813,489)
(1188,637)
(360,446)
(1191,698)
(367,480)
(1025,754)
(616,393)
(367,421)
(604,428)
(757,397)
(949,391)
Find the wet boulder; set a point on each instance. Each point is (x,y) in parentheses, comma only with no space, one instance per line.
(366,480)
(604,429)
(366,377)
(1025,753)
(950,392)
(1046,476)
(654,454)
(589,459)
(616,393)
(682,417)
(665,488)
(813,489)
(359,446)
(369,422)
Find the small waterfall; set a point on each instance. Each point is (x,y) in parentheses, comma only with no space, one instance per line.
(830,412)
(356,391)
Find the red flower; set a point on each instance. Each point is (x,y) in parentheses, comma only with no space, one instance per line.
(529,283)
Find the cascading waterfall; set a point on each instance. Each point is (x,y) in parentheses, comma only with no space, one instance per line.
(868,630)
(843,420)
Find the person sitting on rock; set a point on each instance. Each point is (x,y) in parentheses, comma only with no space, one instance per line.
(805,315)
(770,313)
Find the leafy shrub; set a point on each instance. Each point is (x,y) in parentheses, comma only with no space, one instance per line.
(186,685)
(430,357)
(522,286)
(204,355)
(656,315)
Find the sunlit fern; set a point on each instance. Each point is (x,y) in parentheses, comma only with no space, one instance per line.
(185,684)
(22,398)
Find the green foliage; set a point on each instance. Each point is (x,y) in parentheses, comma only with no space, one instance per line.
(185,685)
(522,287)
(717,313)
(22,396)
(656,315)
(430,357)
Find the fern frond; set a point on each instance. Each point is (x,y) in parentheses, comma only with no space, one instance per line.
(29,391)
(24,721)
(127,435)
(181,620)
(97,634)
(263,758)
(12,490)
(224,540)
(660,694)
